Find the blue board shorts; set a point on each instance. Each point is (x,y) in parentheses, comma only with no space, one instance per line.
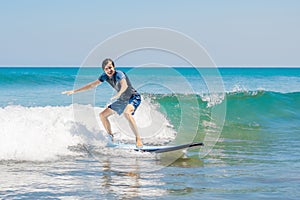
(120,105)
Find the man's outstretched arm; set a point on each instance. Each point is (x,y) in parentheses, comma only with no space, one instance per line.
(86,87)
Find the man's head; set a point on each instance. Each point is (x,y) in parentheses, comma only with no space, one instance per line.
(108,67)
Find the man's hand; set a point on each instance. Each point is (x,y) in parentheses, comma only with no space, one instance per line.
(69,92)
(115,97)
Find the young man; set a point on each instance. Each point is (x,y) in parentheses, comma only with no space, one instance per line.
(127,98)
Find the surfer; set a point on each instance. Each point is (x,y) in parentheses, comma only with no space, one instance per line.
(127,98)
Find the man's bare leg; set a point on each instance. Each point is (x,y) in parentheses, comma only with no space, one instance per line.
(104,119)
(128,114)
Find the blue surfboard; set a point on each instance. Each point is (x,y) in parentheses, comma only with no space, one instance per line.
(156,149)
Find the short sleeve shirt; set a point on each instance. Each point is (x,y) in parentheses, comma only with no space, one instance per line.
(114,81)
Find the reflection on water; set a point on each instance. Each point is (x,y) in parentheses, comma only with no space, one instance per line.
(130,184)
(233,170)
(89,178)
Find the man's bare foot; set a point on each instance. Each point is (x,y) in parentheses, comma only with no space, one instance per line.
(139,143)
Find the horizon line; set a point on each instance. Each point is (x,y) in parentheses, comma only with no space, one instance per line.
(179,66)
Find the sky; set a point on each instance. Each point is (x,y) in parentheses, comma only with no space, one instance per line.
(233,32)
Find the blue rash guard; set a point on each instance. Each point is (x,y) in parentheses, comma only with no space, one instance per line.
(129,96)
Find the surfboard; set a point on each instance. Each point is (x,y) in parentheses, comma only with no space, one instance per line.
(156,149)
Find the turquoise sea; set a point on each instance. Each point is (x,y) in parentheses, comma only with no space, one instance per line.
(53,146)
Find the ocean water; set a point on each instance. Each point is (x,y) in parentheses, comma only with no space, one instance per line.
(53,146)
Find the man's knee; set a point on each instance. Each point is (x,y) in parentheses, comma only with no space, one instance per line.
(105,114)
(128,111)
(101,115)
(127,114)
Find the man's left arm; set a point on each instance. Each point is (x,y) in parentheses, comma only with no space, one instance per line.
(124,86)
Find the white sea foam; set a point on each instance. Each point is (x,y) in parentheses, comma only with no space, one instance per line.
(213,99)
(47,133)
(153,126)
(36,133)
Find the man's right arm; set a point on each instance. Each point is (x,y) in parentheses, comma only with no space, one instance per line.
(86,87)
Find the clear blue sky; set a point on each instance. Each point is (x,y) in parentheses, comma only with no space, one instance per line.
(234,32)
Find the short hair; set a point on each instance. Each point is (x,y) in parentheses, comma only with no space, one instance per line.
(104,63)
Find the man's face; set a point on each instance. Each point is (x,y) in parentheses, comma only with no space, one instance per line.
(109,69)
